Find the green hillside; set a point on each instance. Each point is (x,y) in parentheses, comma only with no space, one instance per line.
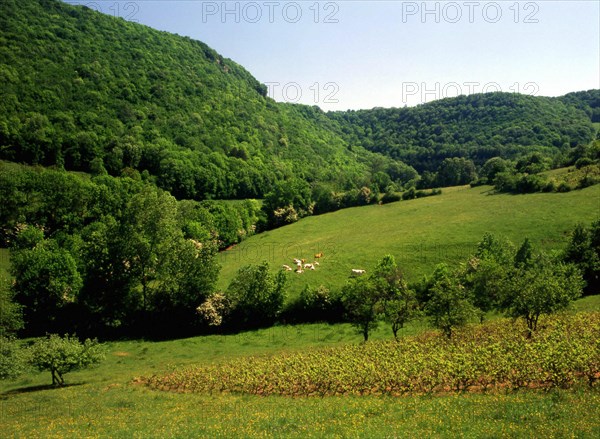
(91,92)
(419,233)
(478,127)
(88,91)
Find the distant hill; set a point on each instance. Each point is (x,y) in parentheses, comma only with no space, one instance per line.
(88,91)
(478,127)
(588,101)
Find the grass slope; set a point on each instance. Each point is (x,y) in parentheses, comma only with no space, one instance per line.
(419,233)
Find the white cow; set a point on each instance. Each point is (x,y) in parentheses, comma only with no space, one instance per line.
(286,267)
(358,272)
(309,266)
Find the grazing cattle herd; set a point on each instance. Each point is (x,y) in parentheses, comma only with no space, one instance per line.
(302,265)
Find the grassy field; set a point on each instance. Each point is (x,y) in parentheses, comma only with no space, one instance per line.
(419,233)
(108,402)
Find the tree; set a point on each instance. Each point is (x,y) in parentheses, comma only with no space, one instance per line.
(108,291)
(524,255)
(287,202)
(190,273)
(494,166)
(256,295)
(484,273)
(583,250)
(46,281)
(456,171)
(361,302)
(11,314)
(150,231)
(399,302)
(12,358)
(484,279)
(62,355)
(500,250)
(544,287)
(449,304)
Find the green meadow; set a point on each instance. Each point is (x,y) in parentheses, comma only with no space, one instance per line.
(110,401)
(420,233)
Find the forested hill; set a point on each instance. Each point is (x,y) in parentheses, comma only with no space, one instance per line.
(92,92)
(478,127)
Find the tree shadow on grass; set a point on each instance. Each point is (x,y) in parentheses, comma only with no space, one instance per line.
(40,388)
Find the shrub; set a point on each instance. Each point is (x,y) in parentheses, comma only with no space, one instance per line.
(527,184)
(315,305)
(505,182)
(564,187)
(409,194)
(550,186)
(479,182)
(586,181)
(583,161)
(391,197)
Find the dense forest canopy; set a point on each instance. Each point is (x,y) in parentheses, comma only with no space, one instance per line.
(477,127)
(90,92)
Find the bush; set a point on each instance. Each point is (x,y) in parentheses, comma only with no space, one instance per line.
(391,197)
(527,184)
(505,182)
(586,181)
(315,305)
(564,187)
(583,161)
(479,182)
(409,194)
(62,355)
(550,186)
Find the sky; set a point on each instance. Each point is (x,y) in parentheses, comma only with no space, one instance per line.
(344,55)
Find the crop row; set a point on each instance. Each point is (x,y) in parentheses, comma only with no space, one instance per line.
(565,351)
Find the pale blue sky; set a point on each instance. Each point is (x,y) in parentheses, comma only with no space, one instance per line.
(366,54)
